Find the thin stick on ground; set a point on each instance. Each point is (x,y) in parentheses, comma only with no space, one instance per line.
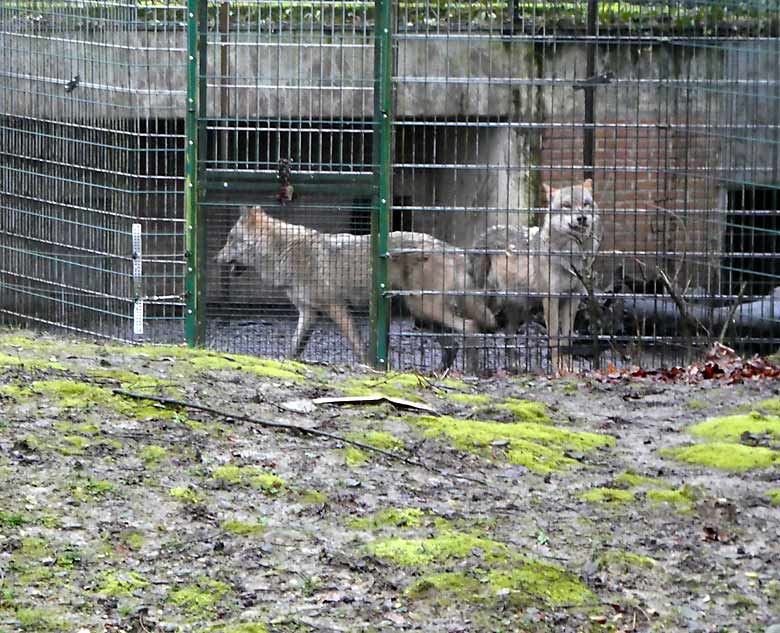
(300,430)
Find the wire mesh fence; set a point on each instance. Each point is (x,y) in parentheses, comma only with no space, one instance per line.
(573,183)
(91,229)
(287,121)
(657,120)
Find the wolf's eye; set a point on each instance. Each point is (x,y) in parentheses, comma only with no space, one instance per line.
(587,204)
(566,205)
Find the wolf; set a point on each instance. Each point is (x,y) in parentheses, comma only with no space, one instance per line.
(330,272)
(548,262)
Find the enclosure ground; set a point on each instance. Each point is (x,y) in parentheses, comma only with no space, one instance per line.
(549,504)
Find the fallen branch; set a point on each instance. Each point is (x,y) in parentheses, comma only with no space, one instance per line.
(300,430)
(761,315)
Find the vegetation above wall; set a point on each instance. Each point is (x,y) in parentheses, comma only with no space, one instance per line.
(680,17)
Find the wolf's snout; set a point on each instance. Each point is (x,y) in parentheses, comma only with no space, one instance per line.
(229,264)
(582,220)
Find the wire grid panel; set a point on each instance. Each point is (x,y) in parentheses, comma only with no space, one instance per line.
(288,128)
(91,142)
(664,115)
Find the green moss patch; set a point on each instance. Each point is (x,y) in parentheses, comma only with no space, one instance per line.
(84,428)
(121,583)
(32,341)
(152,454)
(683,498)
(314,497)
(32,548)
(437,549)
(731,428)
(134,540)
(526,410)
(199,598)
(767,407)
(392,384)
(240,627)
(8,360)
(13,519)
(242,528)
(187,495)
(355,457)
(203,359)
(377,439)
(623,562)
(500,571)
(538,447)
(68,394)
(445,586)
(736,457)
(532,581)
(607,495)
(37,619)
(249,475)
(472,399)
(391,517)
(774,496)
(92,489)
(632,480)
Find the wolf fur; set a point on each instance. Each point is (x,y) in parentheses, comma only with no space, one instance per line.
(328,272)
(547,263)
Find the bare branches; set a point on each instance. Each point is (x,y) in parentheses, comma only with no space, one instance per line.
(732,310)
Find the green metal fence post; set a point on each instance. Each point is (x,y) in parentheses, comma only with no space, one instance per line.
(380,217)
(195,230)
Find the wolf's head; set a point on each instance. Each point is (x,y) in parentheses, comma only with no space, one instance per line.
(240,250)
(573,212)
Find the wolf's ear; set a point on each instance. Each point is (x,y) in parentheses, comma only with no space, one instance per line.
(588,184)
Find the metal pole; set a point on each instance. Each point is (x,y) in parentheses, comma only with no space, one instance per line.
(194,230)
(382,144)
(590,72)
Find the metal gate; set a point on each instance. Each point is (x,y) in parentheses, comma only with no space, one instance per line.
(288,112)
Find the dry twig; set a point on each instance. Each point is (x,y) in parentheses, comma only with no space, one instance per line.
(299,430)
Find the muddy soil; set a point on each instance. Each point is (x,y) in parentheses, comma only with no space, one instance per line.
(533,503)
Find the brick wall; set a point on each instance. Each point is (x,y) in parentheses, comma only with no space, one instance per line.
(657,194)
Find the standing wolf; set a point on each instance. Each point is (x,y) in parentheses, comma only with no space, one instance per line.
(328,272)
(547,262)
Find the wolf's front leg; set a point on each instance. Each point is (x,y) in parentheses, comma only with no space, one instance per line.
(341,317)
(306,318)
(552,319)
(567,310)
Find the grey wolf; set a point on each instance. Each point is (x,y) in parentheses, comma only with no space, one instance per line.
(329,272)
(548,262)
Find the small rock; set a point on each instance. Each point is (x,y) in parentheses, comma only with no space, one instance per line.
(773,628)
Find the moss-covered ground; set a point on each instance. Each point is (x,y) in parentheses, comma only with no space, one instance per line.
(579,510)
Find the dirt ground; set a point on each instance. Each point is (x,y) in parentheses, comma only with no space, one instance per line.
(577,503)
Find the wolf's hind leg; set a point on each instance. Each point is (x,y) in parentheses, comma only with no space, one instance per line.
(306,318)
(437,310)
(342,318)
